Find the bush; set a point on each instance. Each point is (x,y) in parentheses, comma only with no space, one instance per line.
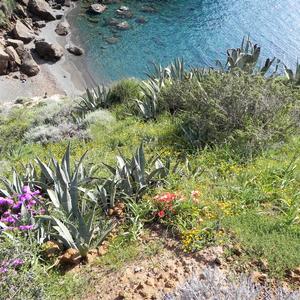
(125,91)
(246,111)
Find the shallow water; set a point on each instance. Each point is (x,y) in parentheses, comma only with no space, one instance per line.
(200,31)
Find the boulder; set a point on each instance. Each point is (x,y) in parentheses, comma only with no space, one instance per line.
(13,55)
(22,32)
(48,51)
(4,59)
(67,3)
(23,2)
(41,9)
(75,50)
(39,24)
(124,12)
(97,8)
(20,11)
(123,25)
(62,28)
(15,43)
(29,66)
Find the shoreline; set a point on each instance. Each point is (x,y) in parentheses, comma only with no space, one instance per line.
(67,77)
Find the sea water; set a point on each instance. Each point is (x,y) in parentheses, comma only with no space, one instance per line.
(199,31)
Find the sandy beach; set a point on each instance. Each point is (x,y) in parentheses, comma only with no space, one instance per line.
(65,77)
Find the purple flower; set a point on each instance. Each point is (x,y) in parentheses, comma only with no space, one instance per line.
(17,206)
(17,262)
(25,197)
(8,219)
(5,203)
(25,227)
(3,270)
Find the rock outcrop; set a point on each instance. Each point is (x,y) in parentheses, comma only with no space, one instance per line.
(48,51)
(29,66)
(22,32)
(4,59)
(75,50)
(97,8)
(41,9)
(62,28)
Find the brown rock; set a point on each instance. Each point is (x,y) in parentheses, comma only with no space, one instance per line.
(4,59)
(97,8)
(75,50)
(41,9)
(48,51)
(258,277)
(71,256)
(13,55)
(29,66)
(62,28)
(15,43)
(22,32)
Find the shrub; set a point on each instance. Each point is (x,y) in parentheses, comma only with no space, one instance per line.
(246,111)
(50,133)
(125,91)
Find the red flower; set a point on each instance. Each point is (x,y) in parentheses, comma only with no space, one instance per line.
(161,213)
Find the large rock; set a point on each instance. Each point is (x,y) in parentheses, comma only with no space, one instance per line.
(13,55)
(49,51)
(15,43)
(22,32)
(62,28)
(41,9)
(4,59)
(75,50)
(97,8)
(29,66)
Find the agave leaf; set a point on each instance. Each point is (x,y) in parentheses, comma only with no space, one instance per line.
(53,197)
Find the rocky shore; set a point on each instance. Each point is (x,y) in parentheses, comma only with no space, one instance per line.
(37,56)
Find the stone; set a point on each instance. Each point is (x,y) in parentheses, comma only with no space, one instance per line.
(97,8)
(62,28)
(22,32)
(67,3)
(124,11)
(13,55)
(15,43)
(258,277)
(123,25)
(41,9)
(4,59)
(48,51)
(70,257)
(23,2)
(111,40)
(20,11)
(39,24)
(75,50)
(29,66)
(141,20)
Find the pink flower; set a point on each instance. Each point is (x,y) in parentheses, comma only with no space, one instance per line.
(161,213)
(195,194)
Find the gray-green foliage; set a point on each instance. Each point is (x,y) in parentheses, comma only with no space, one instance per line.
(130,178)
(247,111)
(293,76)
(94,99)
(78,223)
(246,59)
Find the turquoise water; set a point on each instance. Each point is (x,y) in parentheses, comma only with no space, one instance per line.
(200,31)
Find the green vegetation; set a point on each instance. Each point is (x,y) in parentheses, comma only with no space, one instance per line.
(213,156)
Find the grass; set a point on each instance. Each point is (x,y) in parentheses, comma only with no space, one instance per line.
(267,238)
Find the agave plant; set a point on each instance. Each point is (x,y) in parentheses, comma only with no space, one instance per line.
(246,58)
(64,181)
(129,178)
(74,214)
(18,181)
(82,233)
(293,77)
(94,99)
